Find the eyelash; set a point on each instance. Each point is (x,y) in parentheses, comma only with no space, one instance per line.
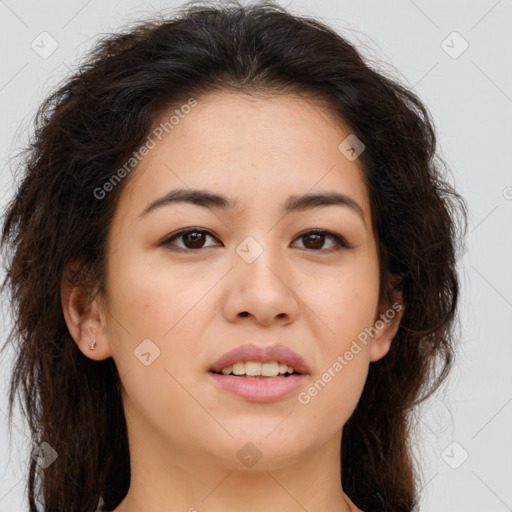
(339,240)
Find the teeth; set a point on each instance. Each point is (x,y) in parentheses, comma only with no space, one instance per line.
(270,369)
(254,369)
(239,368)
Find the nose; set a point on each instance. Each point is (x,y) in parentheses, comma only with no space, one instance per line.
(263,290)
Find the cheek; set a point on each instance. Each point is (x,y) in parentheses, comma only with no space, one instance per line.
(151,300)
(346,302)
(155,302)
(151,313)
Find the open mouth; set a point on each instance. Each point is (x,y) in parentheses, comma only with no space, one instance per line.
(257,370)
(258,381)
(257,376)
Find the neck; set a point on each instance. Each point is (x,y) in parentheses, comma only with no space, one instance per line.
(172,479)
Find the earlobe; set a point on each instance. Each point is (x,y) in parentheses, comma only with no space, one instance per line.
(386,326)
(84,320)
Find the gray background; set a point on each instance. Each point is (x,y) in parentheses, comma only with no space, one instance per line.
(464,446)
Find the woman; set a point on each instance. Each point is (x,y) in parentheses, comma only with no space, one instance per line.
(232,259)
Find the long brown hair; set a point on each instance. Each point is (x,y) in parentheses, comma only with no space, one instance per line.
(87,128)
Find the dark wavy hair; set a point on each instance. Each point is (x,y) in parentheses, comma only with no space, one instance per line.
(94,121)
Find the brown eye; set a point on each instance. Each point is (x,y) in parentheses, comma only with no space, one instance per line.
(194,238)
(315,240)
(190,238)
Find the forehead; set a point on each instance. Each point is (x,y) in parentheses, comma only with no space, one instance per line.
(251,149)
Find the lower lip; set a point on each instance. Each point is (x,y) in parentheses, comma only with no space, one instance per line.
(264,389)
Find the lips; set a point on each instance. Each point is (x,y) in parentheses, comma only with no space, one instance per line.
(267,354)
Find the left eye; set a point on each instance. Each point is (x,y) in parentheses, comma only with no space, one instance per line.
(317,239)
(194,238)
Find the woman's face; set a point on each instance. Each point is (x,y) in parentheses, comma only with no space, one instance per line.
(249,274)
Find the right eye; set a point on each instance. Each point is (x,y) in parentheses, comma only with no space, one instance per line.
(192,238)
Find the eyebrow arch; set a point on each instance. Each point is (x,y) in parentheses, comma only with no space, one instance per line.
(208,199)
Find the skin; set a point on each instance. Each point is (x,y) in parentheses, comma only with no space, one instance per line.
(184,432)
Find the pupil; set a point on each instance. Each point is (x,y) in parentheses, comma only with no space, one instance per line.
(195,238)
(319,238)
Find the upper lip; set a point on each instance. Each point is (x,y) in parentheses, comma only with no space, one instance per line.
(262,354)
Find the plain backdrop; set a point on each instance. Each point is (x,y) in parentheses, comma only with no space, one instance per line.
(456,56)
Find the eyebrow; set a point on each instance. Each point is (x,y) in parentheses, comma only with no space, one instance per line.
(207,199)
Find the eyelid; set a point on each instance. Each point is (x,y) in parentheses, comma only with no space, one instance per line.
(177,234)
(340,240)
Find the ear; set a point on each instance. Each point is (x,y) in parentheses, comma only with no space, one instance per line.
(386,326)
(85,318)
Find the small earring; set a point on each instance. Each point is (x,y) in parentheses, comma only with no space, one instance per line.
(92,345)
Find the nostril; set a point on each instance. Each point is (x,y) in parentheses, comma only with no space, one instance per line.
(244,313)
